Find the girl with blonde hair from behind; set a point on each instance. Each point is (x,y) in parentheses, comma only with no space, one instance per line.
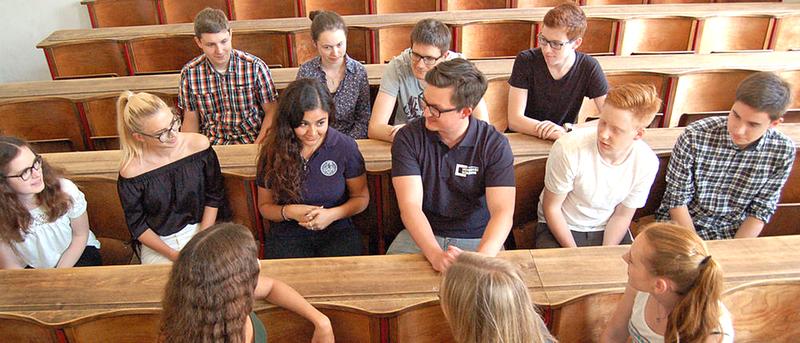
(169,183)
(673,292)
(485,301)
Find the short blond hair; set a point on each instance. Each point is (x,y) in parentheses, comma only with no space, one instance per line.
(640,99)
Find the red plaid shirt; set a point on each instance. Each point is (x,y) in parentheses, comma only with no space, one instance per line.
(228,105)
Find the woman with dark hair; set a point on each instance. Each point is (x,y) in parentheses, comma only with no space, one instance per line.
(311,178)
(211,288)
(344,77)
(44,222)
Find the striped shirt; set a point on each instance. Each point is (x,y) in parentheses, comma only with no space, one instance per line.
(228,105)
(722,184)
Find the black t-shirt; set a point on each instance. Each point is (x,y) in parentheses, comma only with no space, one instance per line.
(558,101)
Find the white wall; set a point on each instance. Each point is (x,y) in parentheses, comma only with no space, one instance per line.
(26,23)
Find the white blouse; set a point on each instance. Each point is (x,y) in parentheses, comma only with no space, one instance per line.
(642,333)
(43,245)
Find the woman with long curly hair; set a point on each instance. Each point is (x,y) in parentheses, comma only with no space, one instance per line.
(211,288)
(485,301)
(673,292)
(44,222)
(311,178)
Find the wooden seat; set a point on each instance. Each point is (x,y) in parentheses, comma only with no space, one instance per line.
(453,5)
(765,311)
(160,55)
(496,99)
(184,11)
(730,34)
(659,80)
(529,178)
(583,319)
(703,91)
(71,60)
(240,189)
(503,39)
(600,38)
(783,222)
(787,33)
(391,41)
(342,7)
(106,218)
(120,326)
(657,35)
(349,325)
(421,323)
(111,13)
(405,6)
(50,125)
(19,328)
(258,9)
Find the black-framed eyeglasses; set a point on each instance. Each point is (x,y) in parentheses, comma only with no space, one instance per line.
(554,44)
(26,173)
(164,135)
(427,60)
(435,111)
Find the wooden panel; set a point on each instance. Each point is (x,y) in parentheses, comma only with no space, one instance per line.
(343,7)
(765,311)
(101,116)
(44,121)
(703,92)
(159,55)
(793,77)
(348,326)
(452,5)
(110,13)
(540,3)
(679,1)
(184,11)
(420,324)
(303,47)
(98,58)
(649,35)
(612,2)
(239,191)
(584,319)
(17,328)
(783,222)
(787,33)
(656,189)
(106,218)
(791,190)
(658,80)
(725,34)
(496,99)
(600,37)
(391,41)
(495,40)
(259,9)
(271,47)
(405,6)
(359,43)
(124,326)
(529,178)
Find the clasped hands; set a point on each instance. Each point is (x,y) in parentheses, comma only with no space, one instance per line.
(314,218)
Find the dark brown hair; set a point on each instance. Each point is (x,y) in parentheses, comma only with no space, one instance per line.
(467,81)
(322,21)
(431,32)
(765,92)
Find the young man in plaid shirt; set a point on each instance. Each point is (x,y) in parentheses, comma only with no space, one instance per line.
(226,94)
(726,173)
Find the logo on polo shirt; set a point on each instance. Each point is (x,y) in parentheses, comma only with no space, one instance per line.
(464,170)
(328,168)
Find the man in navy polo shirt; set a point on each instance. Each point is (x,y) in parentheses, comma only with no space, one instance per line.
(453,174)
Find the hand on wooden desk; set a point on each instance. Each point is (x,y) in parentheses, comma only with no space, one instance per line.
(441,261)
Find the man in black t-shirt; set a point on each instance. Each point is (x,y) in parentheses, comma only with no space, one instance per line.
(548,83)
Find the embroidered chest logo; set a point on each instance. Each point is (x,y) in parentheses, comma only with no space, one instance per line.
(328,168)
(464,170)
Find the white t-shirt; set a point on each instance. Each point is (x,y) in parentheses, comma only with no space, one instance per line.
(45,242)
(640,332)
(593,186)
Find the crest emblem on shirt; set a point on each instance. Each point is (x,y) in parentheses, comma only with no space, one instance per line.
(328,168)
(464,170)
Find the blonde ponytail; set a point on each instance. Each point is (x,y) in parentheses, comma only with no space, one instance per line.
(132,110)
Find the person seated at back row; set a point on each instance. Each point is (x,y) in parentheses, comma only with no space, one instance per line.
(226,94)
(548,83)
(597,177)
(453,174)
(726,173)
(403,80)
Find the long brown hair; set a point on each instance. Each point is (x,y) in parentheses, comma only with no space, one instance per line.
(681,256)
(210,289)
(485,300)
(279,155)
(16,219)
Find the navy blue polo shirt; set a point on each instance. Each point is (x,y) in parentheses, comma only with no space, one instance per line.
(324,183)
(454,180)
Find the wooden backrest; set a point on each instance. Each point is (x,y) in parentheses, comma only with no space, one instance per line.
(259,9)
(494,39)
(343,7)
(657,189)
(724,34)
(269,46)
(158,55)
(657,35)
(496,99)
(349,325)
(540,3)
(793,77)
(110,13)
(784,221)
(583,319)
(358,45)
(658,80)
(50,125)
(601,37)
(787,33)
(120,326)
(183,11)
(71,60)
(106,218)
(421,323)
(529,178)
(391,41)
(613,2)
(765,311)
(19,328)
(101,119)
(453,5)
(405,6)
(678,1)
(240,190)
(302,47)
(703,91)
(791,190)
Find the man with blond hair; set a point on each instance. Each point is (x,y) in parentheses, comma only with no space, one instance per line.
(596,178)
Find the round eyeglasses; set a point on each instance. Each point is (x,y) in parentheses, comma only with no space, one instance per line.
(165,135)
(26,173)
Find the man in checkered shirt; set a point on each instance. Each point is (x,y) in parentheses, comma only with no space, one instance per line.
(726,173)
(225,93)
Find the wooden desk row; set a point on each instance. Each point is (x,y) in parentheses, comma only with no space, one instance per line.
(81,114)
(620,30)
(399,292)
